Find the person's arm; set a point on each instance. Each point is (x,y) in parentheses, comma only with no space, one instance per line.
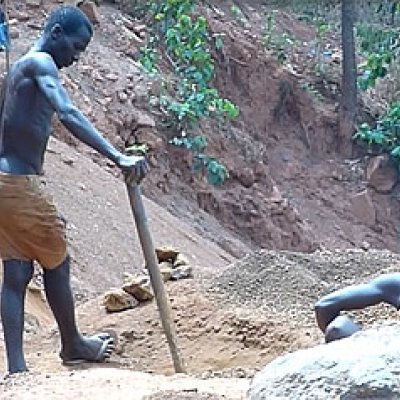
(69,115)
(46,76)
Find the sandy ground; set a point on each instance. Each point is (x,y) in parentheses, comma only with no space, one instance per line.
(117,384)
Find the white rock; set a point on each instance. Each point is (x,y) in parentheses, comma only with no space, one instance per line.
(363,366)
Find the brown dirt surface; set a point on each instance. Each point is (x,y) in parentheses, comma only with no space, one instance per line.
(264,246)
(103,383)
(285,176)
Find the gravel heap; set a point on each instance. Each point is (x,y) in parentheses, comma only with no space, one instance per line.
(343,267)
(288,284)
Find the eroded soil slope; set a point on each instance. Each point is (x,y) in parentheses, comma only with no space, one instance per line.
(286,179)
(288,190)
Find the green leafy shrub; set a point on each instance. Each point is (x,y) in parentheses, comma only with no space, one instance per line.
(186,44)
(184,41)
(380,47)
(216,173)
(385,136)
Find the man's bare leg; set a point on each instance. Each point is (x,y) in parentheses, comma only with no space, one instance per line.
(16,276)
(75,347)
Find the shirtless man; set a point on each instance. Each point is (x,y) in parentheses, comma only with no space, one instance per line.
(30,227)
(383,289)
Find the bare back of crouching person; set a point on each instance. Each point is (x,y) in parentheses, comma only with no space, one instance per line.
(383,289)
(30,226)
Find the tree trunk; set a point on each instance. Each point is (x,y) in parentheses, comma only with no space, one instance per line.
(348,106)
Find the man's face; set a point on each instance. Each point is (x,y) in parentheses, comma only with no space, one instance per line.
(69,46)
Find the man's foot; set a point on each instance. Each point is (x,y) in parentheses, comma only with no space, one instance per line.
(96,348)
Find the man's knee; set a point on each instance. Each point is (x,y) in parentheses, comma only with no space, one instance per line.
(322,307)
(325,312)
(17,274)
(58,271)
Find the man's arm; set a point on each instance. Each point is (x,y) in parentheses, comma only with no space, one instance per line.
(69,115)
(46,76)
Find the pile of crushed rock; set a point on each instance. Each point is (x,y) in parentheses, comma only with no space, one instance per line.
(288,284)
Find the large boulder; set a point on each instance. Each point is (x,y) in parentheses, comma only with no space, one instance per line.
(382,173)
(90,9)
(363,366)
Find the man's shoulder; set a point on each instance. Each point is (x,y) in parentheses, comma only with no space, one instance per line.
(38,62)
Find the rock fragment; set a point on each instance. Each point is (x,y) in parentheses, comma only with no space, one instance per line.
(118,300)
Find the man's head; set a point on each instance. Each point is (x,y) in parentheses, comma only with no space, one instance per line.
(68,32)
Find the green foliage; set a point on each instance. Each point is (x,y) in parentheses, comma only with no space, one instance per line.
(321,30)
(216,173)
(278,42)
(386,134)
(381,47)
(309,87)
(137,149)
(237,13)
(148,59)
(184,41)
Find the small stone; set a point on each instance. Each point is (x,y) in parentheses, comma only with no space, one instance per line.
(166,253)
(365,245)
(118,300)
(34,3)
(142,119)
(166,264)
(122,97)
(69,161)
(182,272)
(19,16)
(139,288)
(112,77)
(166,274)
(180,260)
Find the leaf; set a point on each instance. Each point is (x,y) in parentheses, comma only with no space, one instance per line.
(216,173)
(395,152)
(218,43)
(141,149)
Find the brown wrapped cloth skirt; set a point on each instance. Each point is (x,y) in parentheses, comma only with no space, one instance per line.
(30,226)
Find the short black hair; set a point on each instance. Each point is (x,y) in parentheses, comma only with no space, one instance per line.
(70,18)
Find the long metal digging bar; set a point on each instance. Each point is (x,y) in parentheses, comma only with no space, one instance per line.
(157,282)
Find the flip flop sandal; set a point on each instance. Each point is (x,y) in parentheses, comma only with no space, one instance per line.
(106,341)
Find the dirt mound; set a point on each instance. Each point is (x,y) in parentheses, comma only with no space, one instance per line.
(287,284)
(271,283)
(345,267)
